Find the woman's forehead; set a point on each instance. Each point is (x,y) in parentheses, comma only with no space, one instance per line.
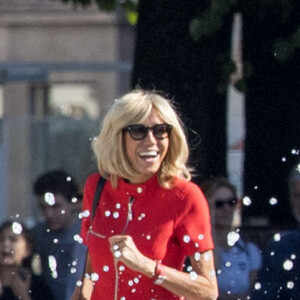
(8,231)
(222,191)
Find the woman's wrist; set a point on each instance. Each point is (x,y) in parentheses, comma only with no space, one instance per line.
(159,273)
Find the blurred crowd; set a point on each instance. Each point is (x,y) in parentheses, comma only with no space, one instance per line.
(47,261)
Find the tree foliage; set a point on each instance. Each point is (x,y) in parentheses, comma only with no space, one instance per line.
(210,18)
(207,23)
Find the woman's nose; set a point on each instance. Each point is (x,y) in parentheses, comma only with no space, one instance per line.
(150,137)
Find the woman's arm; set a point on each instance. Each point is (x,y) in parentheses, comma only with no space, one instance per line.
(85,291)
(20,284)
(202,286)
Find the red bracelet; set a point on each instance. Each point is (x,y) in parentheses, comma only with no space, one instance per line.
(159,274)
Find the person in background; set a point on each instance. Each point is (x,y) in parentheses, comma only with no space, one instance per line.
(279,277)
(150,215)
(56,239)
(17,281)
(237,260)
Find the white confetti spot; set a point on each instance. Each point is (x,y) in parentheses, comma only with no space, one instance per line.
(197,256)
(79,283)
(288,265)
(49,199)
(193,275)
(16,228)
(273,201)
(212,273)
(122,268)
(295,152)
(247,201)
(277,237)
(141,217)
(189,268)
(107,213)
(95,277)
(52,265)
(84,214)
(130,282)
(186,239)
(105,268)
(117,254)
(232,238)
(78,238)
(257,286)
(207,256)
(74,200)
(200,237)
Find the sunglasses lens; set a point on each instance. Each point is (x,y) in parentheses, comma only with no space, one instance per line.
(138,132)
(161,131)
(220,203)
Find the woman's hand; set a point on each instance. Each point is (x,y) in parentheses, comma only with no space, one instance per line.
(203,287)
(20,285)
(124,249)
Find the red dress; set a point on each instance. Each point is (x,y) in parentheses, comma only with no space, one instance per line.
(165,224)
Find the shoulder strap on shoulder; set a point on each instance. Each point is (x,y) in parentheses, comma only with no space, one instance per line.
(98,191)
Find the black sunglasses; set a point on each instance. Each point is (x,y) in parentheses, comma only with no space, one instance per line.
(139,131)
(219,203)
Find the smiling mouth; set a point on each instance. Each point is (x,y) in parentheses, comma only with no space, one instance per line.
(148,154)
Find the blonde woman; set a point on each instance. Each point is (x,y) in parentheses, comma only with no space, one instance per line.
(150,216)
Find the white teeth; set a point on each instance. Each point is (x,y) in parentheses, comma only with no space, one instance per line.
(148,153)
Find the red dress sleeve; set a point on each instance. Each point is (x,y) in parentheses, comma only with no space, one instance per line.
(193,226)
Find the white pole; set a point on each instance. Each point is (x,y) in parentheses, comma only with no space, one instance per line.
(236,112)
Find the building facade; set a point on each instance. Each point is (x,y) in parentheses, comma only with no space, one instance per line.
(60,66)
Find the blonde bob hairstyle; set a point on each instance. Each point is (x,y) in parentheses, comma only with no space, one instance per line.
(133,108)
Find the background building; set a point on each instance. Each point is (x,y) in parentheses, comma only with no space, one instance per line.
(59,68)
